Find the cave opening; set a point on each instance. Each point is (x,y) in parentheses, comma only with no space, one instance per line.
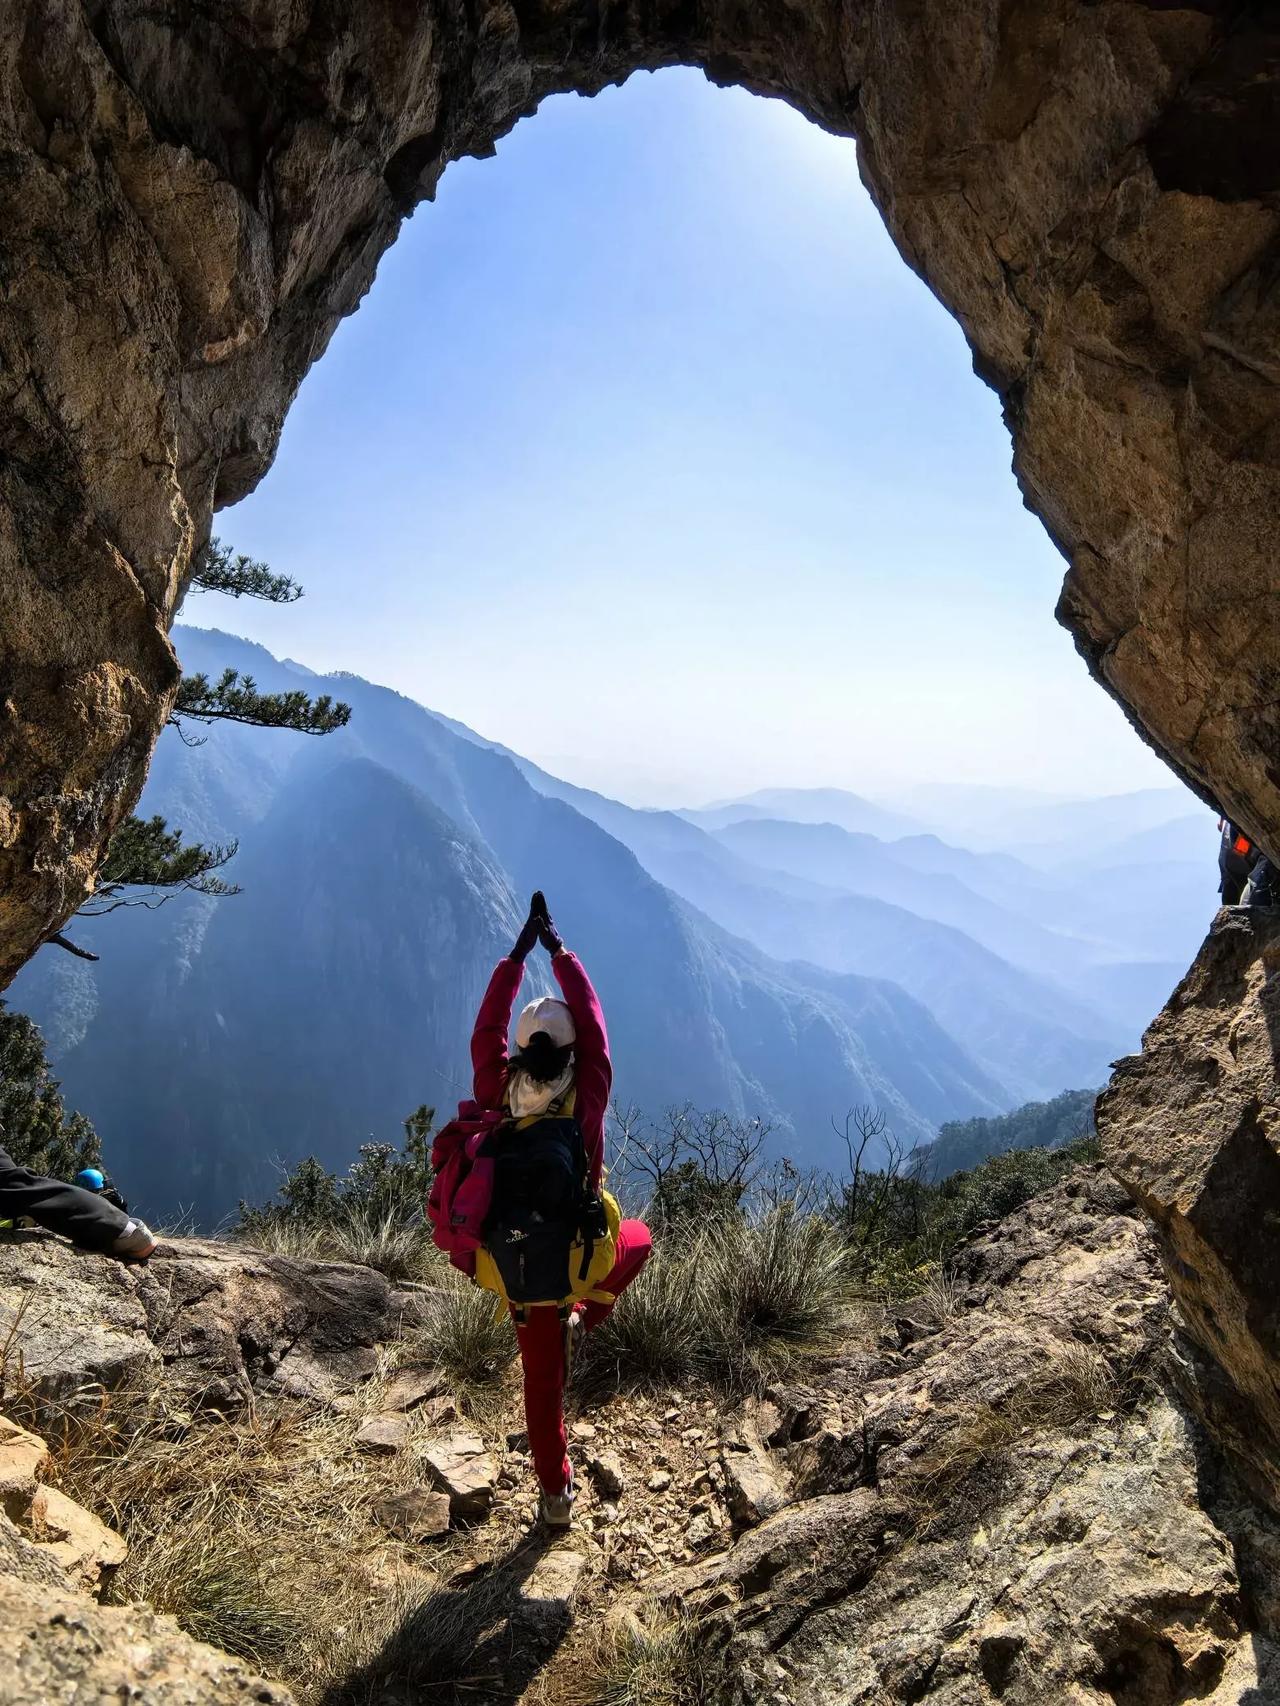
(679,486)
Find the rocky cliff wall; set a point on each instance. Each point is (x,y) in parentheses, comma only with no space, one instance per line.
(1192,1127)
(192,198)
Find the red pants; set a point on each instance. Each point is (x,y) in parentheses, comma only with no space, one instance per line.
(541,1339)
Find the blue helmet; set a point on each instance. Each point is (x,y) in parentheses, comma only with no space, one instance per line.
(90,1179)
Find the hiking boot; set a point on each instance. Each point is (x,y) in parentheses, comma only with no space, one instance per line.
(556,1509)
(135,1243)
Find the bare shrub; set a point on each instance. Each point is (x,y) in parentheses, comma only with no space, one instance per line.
(693,1164)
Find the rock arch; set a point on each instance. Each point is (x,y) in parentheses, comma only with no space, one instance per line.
(192,198)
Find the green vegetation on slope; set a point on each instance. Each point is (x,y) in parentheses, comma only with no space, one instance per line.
(34,1126)
(1067,1119)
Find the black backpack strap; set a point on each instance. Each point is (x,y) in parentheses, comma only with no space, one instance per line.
(586,1227)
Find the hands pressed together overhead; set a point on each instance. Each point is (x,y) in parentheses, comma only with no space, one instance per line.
(537,928)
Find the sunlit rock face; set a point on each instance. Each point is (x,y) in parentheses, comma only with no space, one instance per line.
(192,200)
(1192,1127)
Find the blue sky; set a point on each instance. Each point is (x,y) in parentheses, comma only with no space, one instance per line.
(648,456)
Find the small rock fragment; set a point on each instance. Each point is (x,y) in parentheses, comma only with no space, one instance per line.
(461,1467)
(659,1481)
(439,1412)
(412,1385)
(607,1473)
(418,1513)
(383,1435)
(82,1545)
(700,1533)
(752,1490)
(583,1431)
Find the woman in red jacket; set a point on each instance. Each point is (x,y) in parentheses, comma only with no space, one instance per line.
(561,1065)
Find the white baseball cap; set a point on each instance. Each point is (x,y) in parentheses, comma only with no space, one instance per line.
(549,1015)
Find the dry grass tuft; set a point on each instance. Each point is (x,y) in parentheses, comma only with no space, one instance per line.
(939,1295)
(213,1581)
(463,1332)
(256,1531)
(649,1660)
(737,1303)
(398,1247)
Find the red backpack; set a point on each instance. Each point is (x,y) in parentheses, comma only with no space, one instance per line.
(462,1189)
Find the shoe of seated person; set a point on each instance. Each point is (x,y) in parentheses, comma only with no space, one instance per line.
(557,1508)
(135,1243)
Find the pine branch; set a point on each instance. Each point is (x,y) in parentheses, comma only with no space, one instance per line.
(235,698)
(147,856)
(219,569)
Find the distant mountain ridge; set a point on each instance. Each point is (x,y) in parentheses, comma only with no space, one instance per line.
(384,870)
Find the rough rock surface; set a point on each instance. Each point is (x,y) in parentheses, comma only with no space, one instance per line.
(217,1320)
(22,1456)
(464,1470)
(44,1535)
(79,1543)
(194,197)
(1011,1508)
(1192,1127)
(58,1646)
(418,1513)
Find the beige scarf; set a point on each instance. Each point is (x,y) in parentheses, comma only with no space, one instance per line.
(527,1097)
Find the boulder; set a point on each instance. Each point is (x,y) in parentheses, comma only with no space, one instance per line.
(1192,1127)
(226,1315)
(59,1646)
(78,1541)
(1026,1514)
(417,1513)
(77,1321)
(214,1320)
(383,1435)
(461,1467)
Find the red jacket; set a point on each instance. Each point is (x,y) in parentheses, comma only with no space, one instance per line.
(593,1073)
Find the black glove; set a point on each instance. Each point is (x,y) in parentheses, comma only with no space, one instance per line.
(548,935)
(528,936)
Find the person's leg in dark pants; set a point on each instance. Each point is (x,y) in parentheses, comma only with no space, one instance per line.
(78,1215)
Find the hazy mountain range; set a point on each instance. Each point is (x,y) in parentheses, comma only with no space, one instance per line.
(787,956)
